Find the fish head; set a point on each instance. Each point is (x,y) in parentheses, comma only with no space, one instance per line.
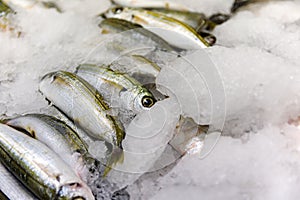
(53,78)
(144,100)
(75,191)
(46,81)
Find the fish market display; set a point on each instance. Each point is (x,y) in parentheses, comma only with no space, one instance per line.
(38,168)
(83,104)
(80,148)
(115,85)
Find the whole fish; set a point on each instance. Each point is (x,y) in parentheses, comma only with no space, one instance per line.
(172,30)
(83,104)
(197,21)
(131,94)
(40,169)
(56,135)
(151,4)
(115,25)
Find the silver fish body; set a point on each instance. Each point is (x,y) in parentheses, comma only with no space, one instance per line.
(193,19)
(132,95)
(115,25)
(83,104)
(39,168)
(141,65)
(172,30)
(12,188)
(56,135)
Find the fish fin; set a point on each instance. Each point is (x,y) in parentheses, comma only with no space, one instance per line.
(116,157)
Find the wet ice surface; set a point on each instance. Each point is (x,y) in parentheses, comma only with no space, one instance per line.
(257,56)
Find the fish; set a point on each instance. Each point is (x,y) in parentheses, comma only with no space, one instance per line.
(152,4)
(115,25)
(82,103)
(116,85)
(171,30)
(144,66)
(193,19)
(56,135)
(84,137)
(139,67)
(60,138)
(196,20)
(12,188)
(41,170)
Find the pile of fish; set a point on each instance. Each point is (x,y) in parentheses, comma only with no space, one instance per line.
(50,156)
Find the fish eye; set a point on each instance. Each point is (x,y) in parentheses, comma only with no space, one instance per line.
(117,10)
(148,102)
